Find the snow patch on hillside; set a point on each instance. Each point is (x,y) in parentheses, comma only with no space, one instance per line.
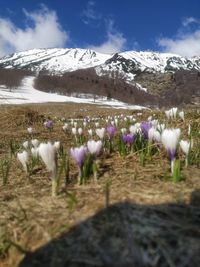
(28,94)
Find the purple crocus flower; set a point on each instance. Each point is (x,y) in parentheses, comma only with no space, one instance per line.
(111,131)
(171,153)
(145,126)
(48,124)
(170,139)
(128,138)
(79,155)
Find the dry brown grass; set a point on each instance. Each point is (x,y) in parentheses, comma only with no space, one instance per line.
(158,215)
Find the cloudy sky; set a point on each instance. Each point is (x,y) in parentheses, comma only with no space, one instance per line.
(108,26)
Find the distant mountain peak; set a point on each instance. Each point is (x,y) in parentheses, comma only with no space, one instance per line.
(127,64)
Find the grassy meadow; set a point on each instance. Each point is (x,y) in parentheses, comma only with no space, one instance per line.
(133,214)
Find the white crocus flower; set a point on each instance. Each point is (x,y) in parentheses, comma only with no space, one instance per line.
(174,112)
(161,127)
(134,129)
(94,147)
(35,152)
(181,115)
(57,145)
(65,127)
(25,144)
(185,147)
(74,132)
(154,135)
(96,124)
(84,124)
(48,154)
(90,132)
(154,123)
(30,130)
(168,114)
(23,158)
(101,133)
(170,139)
(35,142)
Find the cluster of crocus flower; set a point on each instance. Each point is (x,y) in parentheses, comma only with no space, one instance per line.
(171,113)
(79,154)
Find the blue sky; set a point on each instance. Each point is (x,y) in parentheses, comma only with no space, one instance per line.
(108,26)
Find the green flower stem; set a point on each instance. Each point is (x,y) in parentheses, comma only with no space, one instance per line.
(55,185)
(80,176)
(95,171)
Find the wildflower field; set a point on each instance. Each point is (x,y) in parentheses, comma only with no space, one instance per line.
(82,185)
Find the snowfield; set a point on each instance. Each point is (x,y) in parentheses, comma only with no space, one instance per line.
(28,94)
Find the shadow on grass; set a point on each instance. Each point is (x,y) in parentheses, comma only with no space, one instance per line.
(128,235)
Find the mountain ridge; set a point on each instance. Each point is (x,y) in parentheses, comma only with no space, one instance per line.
(160,78)
(60,60)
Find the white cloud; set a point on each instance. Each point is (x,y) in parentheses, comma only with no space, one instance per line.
(45,32)
(190,20)
(186,42)
(115,41)
(90,16)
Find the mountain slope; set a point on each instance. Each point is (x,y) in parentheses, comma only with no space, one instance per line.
(57,60)
(26,93)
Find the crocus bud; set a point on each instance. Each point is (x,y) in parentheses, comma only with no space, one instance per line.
(96,124)
(181,115)
(185,146)
(23,158)
(74,131)
(48,154)
(80,131)
(30,130)
(57,145)
(90,132)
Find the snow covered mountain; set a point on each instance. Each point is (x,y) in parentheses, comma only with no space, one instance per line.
(125,64)
(56,60)
(144,78)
